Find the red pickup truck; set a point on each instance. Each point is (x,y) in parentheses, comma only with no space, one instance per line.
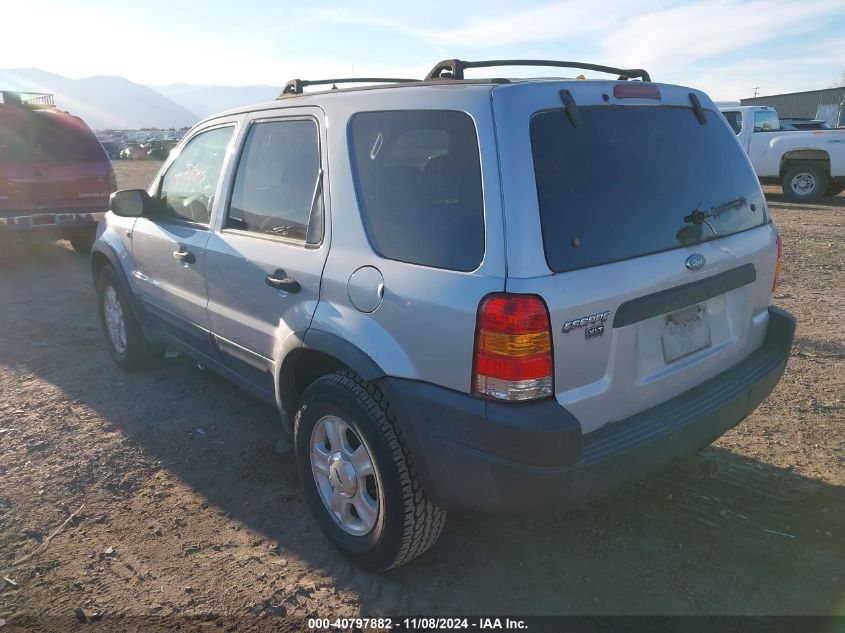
(55,177)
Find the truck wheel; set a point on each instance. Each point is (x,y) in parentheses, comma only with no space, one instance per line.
(125,341)
(804,183)
(83,241)
(357,475)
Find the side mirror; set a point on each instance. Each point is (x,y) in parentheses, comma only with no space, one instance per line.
(131,203)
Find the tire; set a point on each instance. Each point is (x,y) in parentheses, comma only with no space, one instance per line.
(406,522)
(834,189)
(804,182)
(83,241)
(133,352)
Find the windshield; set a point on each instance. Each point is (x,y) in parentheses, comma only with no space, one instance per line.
(629,181)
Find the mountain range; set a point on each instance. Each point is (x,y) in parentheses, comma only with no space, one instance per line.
(114,102)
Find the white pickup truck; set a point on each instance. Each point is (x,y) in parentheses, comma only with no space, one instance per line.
(807,164)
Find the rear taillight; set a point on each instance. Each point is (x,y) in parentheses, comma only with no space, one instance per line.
(778,263)
(513,348)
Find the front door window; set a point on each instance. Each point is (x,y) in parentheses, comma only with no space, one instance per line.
(188,187)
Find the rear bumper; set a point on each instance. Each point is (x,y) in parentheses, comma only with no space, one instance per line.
(477,455)
(52,222)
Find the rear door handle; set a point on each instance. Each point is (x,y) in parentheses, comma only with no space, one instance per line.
(280,281)
(184,256)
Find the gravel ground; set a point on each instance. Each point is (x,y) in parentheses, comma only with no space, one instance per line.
(158,499)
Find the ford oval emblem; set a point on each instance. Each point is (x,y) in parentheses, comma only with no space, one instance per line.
(696,261)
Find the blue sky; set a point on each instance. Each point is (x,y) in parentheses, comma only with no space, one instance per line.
(726,47)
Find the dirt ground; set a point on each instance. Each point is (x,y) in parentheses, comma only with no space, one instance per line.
(169,501)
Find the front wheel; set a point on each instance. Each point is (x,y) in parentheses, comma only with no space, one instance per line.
(804,183)
(125,340)
(357,474)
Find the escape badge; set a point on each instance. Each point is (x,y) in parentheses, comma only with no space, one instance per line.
(593,325)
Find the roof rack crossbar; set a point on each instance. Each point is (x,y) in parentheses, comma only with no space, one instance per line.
(295,86)
(454,68)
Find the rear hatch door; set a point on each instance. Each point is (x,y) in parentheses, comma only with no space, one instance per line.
(51,161)
(78,172)
(653,250)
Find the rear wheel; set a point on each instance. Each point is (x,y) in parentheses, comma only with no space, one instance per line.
(125,340)
(357,474)
(804,182)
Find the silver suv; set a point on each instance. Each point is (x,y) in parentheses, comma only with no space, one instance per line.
(485,295)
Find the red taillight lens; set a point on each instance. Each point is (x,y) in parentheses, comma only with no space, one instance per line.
(778,263)
(636,91)
(513,348)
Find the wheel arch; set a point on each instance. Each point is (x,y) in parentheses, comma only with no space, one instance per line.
(804,155)
(103,255)
(321,353)
(99,260)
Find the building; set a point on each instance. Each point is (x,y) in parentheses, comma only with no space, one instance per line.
(827,104)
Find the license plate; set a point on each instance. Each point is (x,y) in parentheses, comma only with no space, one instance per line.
(686,331)
(43,220)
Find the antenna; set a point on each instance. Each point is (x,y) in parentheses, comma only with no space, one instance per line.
(756,90)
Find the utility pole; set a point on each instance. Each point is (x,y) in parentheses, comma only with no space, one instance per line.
(756,90)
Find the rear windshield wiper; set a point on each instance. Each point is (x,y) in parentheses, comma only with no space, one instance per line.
(700,217)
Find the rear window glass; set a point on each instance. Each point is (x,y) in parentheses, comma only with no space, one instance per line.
(625,183)
(43,137)
(419,186)
(766,121)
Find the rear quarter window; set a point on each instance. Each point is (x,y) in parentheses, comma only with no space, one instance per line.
(418,179)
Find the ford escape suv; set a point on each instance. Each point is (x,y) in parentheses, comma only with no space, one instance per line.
(55,176)
(460,294)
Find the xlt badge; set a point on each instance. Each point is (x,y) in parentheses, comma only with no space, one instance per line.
(593,324)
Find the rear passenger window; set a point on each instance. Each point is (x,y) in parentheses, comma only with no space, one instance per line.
(419,186)
(276,188)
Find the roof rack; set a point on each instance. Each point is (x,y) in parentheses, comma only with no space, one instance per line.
(454,68)
(27,99)
(295,86)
